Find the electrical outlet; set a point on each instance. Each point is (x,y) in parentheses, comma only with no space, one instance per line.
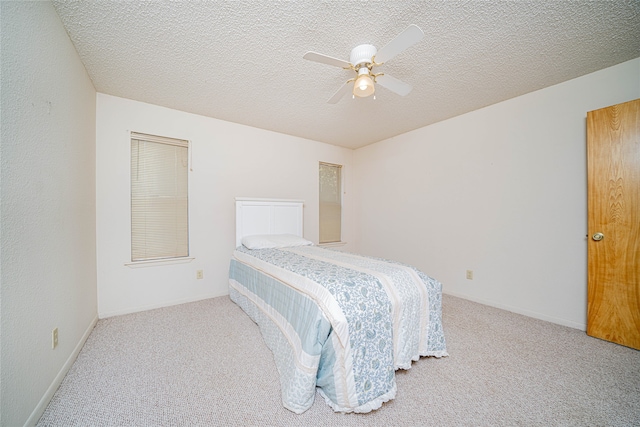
(470,274)
(54,338)
(199,274)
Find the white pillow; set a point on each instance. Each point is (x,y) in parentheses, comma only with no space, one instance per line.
(265,241)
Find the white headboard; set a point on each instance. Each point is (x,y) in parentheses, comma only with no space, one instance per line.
(267,216)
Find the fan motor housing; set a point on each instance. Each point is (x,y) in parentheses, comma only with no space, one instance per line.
(362,54)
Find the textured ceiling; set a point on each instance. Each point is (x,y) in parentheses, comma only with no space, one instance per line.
(241,61)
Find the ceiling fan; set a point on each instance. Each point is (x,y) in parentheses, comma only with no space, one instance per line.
(364,58)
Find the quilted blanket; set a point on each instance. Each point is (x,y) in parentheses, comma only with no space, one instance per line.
(338,322)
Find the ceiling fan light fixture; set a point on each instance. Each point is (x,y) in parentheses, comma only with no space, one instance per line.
(363,85)
(364,58)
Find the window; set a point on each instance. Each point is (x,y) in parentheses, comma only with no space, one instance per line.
(159,198)
(330,203)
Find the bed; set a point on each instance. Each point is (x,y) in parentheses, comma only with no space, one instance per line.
(336,322)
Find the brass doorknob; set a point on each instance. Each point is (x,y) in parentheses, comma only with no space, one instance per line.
(597,237)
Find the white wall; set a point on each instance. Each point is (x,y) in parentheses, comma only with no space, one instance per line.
(48,207)
(500,191)
(229,160)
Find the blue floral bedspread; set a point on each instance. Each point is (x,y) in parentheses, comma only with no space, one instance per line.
(336,321)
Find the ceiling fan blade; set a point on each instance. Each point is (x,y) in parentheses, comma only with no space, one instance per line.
(341,92)
(412,35)
(394,85)
(324,59)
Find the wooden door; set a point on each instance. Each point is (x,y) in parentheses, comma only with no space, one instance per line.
(613,151)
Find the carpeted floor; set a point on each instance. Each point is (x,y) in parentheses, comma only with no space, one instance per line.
(205,364)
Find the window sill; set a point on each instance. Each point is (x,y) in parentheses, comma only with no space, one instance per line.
(332,244)
(157,262)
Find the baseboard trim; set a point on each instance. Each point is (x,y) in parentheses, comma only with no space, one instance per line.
(48,395)
(104,315)
(535,315)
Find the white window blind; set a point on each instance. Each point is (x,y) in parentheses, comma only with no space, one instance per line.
(159,198)
(330,203)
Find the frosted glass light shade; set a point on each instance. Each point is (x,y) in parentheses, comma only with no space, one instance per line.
(363,86)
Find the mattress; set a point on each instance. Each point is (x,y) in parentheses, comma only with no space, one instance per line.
(338,323)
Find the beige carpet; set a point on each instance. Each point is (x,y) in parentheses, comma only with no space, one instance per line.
(205,364)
